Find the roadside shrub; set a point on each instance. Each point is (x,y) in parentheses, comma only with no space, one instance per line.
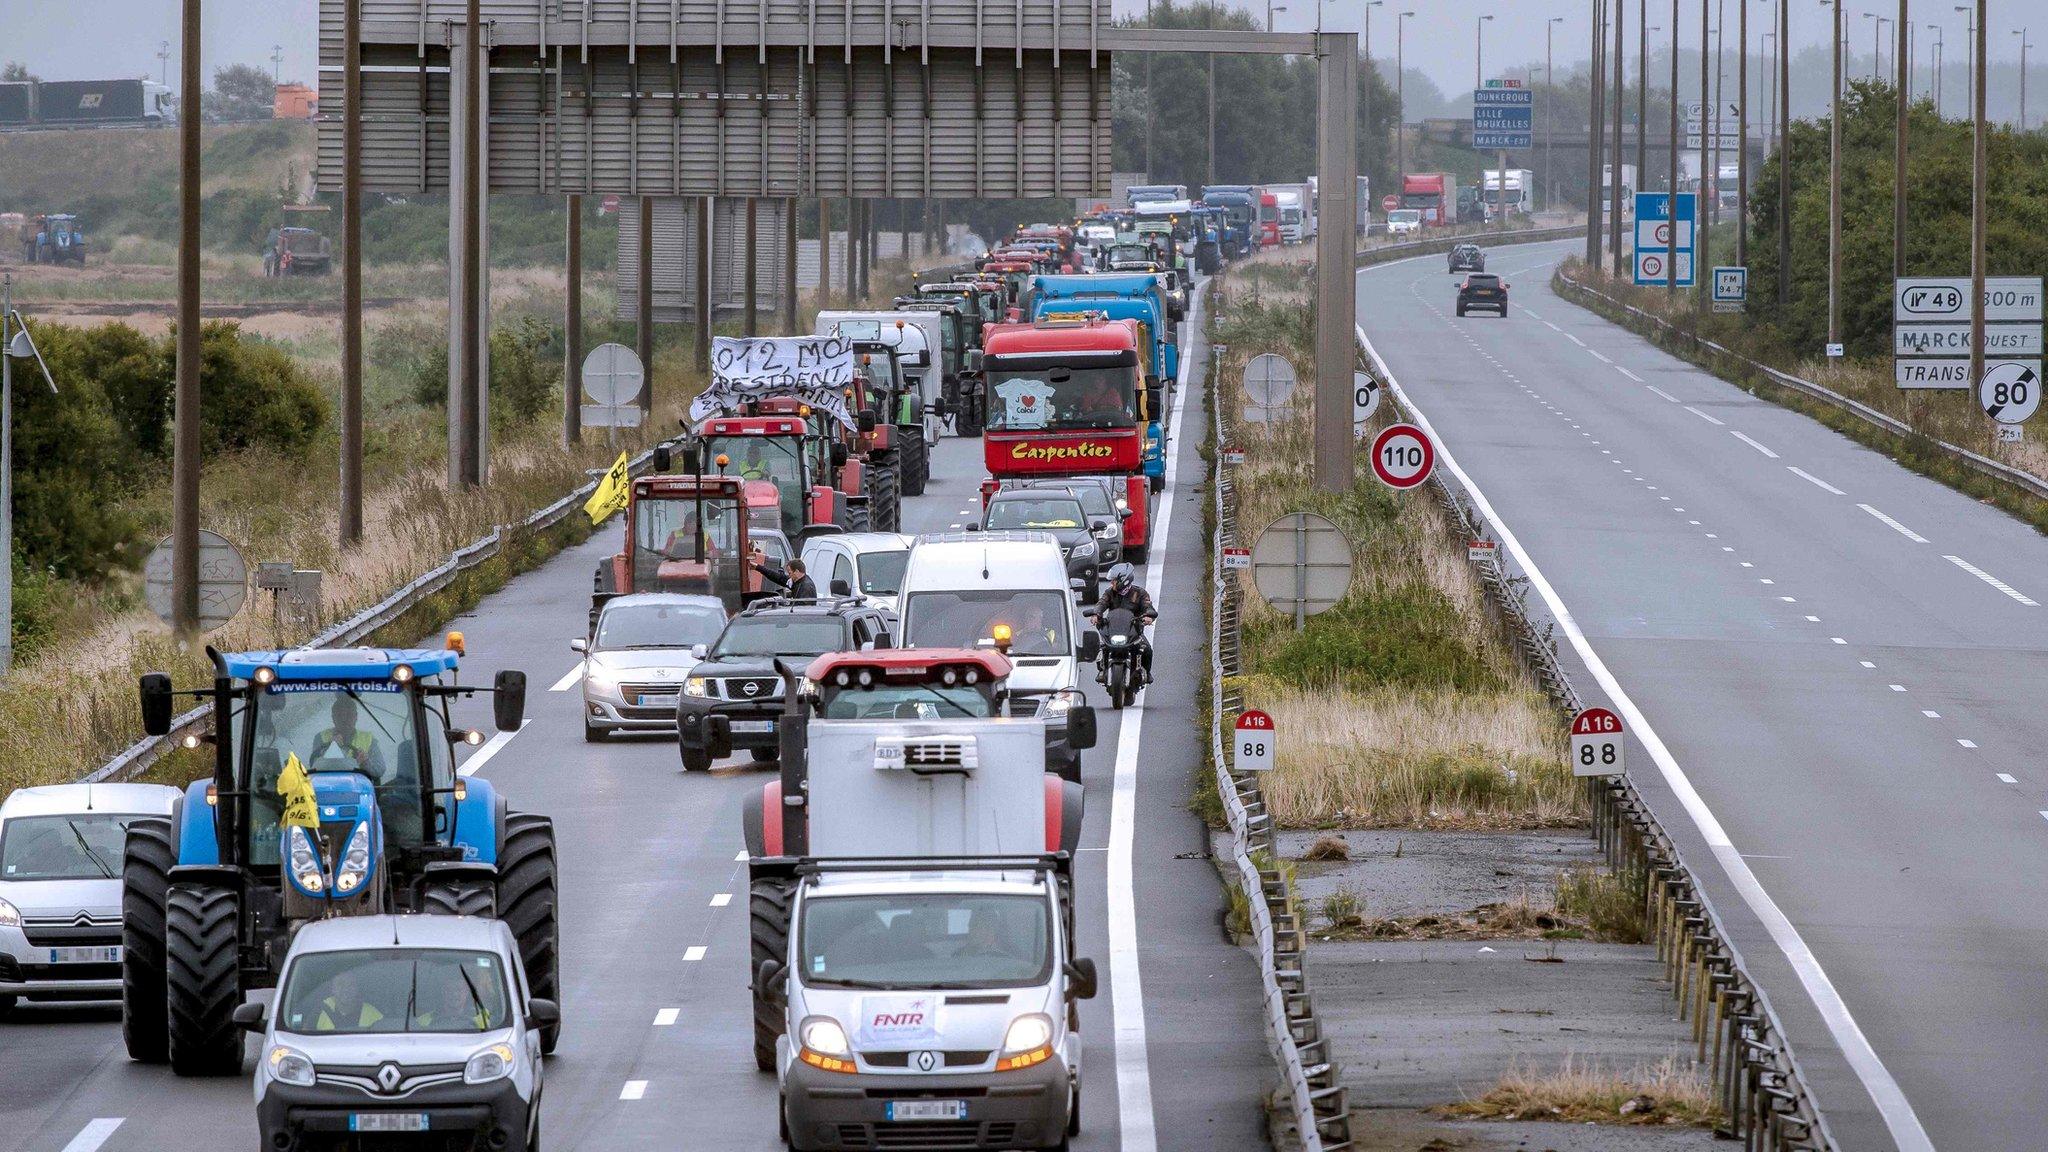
(72,463)
(1408,635)
(252,394)
(526,370)
(38,600)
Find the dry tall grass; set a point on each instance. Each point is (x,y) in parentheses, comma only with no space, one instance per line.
(1581,1091)
(1405,705)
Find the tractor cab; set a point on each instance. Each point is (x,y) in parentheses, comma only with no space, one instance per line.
(334,792)
(684,533)
(797,460)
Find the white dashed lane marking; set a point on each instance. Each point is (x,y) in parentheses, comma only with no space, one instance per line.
(694,952)
(633,1090)
(1661,392)
(1810,478)
(666,1017)
(1704,416)
(94,1134)
(1599,357)
(1629,374)
(1894,525)
(568,681)
(1988,578)
(721,900)
(1753,444)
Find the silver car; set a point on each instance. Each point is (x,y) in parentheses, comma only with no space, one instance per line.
(401,1025)
(60,887)
(637,656)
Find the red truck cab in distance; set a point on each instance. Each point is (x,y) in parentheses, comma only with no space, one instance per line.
(1064,398)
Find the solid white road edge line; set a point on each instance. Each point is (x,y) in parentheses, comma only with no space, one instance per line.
(1988,578)
(1899,1117)
(94,1134)
(1137,1128)
(491,747)
(568,681)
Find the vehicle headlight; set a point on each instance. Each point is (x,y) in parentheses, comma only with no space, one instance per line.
(493,1063)
(600,683)
(355,861)
(1028,1043)
(699,686)
(1084,548)
(290,1066)
(823,1035)
(1119,640)
(10,916)
(304,861)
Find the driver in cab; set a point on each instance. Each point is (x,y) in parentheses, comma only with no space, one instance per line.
(345,740)
(754,466)
(1101,401)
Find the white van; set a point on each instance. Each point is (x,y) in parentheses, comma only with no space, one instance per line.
(866,564)
(1009,589)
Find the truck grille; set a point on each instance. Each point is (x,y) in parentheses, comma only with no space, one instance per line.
(70,932)
(750,688)
(958,1058)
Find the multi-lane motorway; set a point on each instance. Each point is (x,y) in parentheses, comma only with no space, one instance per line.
(656,1049)
(1837,661)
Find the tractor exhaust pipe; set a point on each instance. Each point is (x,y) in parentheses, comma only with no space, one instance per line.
(796,766)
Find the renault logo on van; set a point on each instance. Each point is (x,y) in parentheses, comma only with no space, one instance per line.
(926,1060)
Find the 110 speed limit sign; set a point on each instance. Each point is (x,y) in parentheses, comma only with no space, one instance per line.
(1402,456)
(1596,743)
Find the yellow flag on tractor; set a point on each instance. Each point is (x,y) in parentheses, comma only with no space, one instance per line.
(295,788)
(611,493)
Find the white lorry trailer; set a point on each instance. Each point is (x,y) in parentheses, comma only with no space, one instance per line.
(912,911)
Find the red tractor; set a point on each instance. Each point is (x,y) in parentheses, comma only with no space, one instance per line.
(684,533)
(801,467)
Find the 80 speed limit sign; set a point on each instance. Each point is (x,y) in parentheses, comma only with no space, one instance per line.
(1596,743)
(1402,456)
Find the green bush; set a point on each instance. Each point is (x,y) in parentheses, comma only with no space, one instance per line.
(38,599)
(526,367)
(252,394)
(1409,635)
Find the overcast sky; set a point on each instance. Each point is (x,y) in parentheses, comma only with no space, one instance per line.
(65,39)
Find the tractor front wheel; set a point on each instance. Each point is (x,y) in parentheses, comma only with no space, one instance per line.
(527,904)
(146,864)
(768,931)
(203,979)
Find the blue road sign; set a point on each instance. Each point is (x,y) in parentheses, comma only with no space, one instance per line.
(1503,117)
(1654,234)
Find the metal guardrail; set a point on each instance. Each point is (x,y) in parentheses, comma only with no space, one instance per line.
(137,758)
(1983,465)
(1316,1094)
(1387,252)
(1761,1091)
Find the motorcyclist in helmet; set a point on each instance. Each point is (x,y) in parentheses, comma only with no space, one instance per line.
(1124,592)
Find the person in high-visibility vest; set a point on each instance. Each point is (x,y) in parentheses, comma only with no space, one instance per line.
(753,466)
(345,1009)
(344,740)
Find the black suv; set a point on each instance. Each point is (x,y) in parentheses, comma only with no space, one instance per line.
(733,698)
(1483,290)
(1468,258)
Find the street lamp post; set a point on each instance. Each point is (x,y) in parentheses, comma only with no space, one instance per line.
(1876,41)
(1370,72)
(1549,111)
(1742,134)
(15,343)
(1595,121)
(1835,187)
(1479,51)
(1939,38)
(2022,34)
(1784,153)
(1902,61)
(1671,204)
(1614,206)
(1400,99)
(1970,57)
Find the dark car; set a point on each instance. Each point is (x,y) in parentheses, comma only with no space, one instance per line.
(1468,258)
(1059,513)
(1098,502)
(732,699)
(1483,290)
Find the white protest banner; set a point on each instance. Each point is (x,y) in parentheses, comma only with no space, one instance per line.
(814,369)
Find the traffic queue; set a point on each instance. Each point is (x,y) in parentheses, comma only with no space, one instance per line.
(921,700)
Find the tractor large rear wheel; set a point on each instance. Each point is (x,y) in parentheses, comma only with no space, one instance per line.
(768,930)
(968,422)
(527,904)
(915,460)
(885,505)
(146,865)
(203,979)
(469,896)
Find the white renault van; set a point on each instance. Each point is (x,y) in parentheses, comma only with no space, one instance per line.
(1009,590)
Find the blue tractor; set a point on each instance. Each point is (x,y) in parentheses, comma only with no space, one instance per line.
(211,897)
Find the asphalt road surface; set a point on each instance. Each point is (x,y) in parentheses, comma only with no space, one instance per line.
(1838,663)
(656,1046)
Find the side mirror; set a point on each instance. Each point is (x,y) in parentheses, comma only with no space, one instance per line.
(973,360)
(972,527)
(1081,979)
(839,588)
(251,1017)
(1090,646)
(866,422)
(698,650)
(579,645)
(1097,525)
(508,699)
(1124,513)
(541,1012)
(770,982)
(156,704)
(839,450)
(663,458)
(1081,727)
(693,457)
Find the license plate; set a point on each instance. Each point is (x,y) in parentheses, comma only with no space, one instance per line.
(107,955)
(927,1110)
(387,1122)
(753,725)
(664,700)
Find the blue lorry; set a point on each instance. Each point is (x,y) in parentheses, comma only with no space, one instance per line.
(1143,297)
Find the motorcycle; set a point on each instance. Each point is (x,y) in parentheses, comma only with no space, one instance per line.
(1120,662)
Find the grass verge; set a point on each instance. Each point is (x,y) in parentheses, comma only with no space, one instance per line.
(1670,1092)
(1404,705)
